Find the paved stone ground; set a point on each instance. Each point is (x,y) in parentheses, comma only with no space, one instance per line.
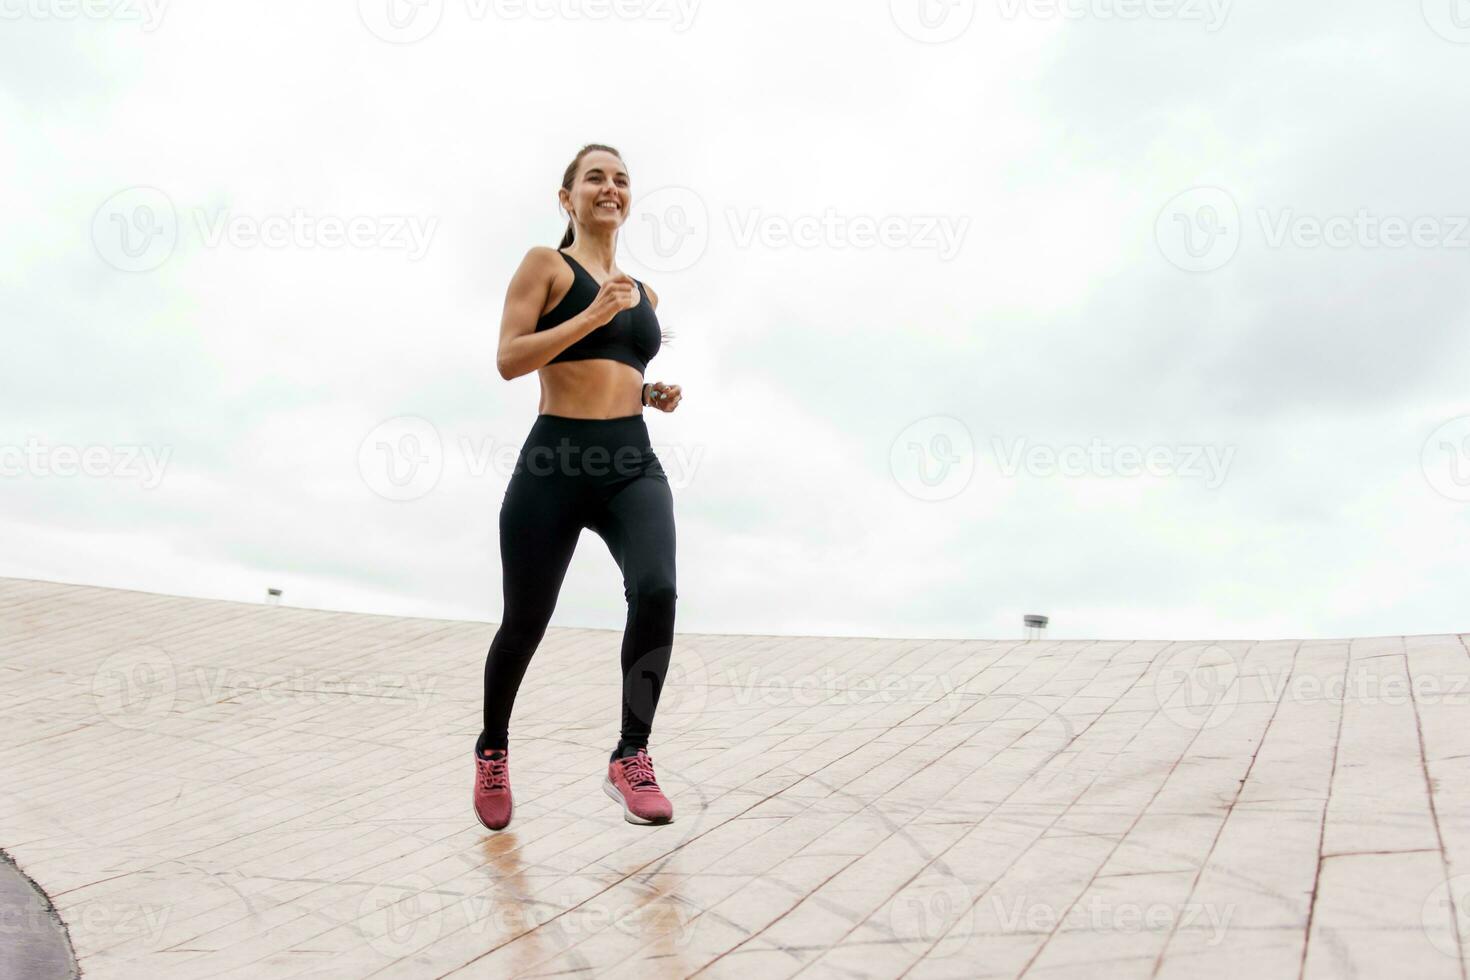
(215,789)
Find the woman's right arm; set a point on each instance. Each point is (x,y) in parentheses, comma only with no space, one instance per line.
(522,348)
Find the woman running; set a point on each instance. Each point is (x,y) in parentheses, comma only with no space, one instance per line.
(589,331)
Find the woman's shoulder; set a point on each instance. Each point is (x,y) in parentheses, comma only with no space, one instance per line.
(545,264)
(543,255)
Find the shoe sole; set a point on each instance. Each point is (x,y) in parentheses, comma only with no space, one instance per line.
(629,815)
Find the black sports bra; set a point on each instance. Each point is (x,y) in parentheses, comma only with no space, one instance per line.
(631,336)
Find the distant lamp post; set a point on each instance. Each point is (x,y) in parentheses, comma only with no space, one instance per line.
(1035,626)
(272,597)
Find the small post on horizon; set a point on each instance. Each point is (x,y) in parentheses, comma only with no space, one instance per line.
(272,597)
(1035,626)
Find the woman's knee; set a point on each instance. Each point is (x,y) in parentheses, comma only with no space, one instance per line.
(519,636)
(654,594)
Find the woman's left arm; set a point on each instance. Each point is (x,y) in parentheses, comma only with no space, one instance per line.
(663,397)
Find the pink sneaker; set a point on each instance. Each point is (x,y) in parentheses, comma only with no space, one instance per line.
(631,782)
(493,803)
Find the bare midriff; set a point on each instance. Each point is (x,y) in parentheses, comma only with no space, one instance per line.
(595,388)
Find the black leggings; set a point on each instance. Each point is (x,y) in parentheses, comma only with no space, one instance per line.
(573,473)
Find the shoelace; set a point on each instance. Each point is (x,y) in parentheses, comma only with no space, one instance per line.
(494,774)
(639,770)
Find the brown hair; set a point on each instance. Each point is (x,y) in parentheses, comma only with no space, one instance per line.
(569,178)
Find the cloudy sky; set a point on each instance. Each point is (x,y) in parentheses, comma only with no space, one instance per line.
(1154,318)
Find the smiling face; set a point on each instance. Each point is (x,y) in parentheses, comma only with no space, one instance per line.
(600,194)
